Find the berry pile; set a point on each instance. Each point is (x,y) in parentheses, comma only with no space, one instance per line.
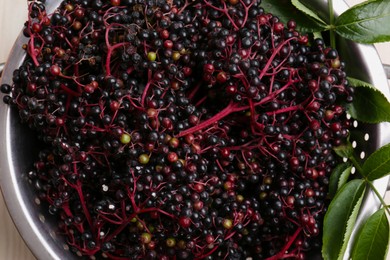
(181,129)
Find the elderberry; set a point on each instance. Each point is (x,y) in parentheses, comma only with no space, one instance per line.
(181,129)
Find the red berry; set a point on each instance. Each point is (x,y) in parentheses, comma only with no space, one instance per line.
(335,127)
(36,27)
(314,106)
(225,152)
(55,70)
(233,2)
(278,27)
(31,87)
(164,34)
(294,162)
(209,239)
(291,25)
(89,89)
(168,44)
(208,68)
(198,205)
(263,19)
(114,105)
(315,125)
(221,77)
(185,222)
(79,12)
(115,2)
(313,85)
(172,157)
(187,71)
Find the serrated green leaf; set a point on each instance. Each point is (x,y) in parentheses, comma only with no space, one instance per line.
(373,239)
(286,11)
(365,23)
(339,177)
(369,105)
(344,177)
(359,83)
(350,225)
(344,150)
(303,8)
(377,164)
(340,219)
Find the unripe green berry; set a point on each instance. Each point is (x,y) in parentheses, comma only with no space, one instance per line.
(125,138)
(143,158)
(171,242)
(227,223)
(146,238)
(152,56)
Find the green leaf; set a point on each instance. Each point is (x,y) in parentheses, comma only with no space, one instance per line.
(373,239)
(340,219)
(339,177)
(344,150)
(303,8)
(286,11)
(317,35)
(359,83)
(366,23)
(377,164)
(369,105)
(344,177)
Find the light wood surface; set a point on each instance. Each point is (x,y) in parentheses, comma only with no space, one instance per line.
(12,16)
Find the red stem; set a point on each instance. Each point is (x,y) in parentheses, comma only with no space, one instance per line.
(203,99)
(224,11)
(265,69)
(145,92)
(84,206)
(231,108)
(109,54)
(223,113)
(116,222)
(69,91)
(285,110)
(230,235)
(127,221)
(31,49)
(283,252)
(192,93)
(246,8)
(209,253)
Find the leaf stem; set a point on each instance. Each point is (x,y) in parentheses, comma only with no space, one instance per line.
(360,170)
(356,164)
(331,21)
(378,195)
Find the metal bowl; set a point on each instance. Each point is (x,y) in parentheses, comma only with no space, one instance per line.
(18,148)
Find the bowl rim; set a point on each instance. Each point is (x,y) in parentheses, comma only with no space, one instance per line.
(34,237)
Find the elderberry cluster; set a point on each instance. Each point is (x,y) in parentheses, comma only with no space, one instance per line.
(197,129)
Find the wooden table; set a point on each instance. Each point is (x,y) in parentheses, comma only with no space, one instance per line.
(12,16)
